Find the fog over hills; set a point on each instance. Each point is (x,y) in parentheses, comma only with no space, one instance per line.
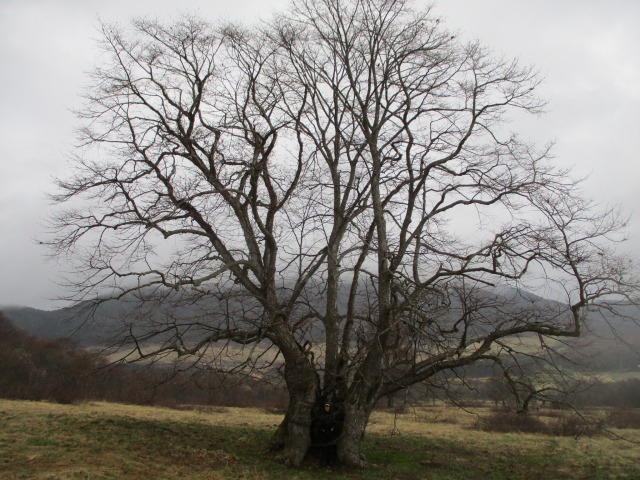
(612,335)
(63,323)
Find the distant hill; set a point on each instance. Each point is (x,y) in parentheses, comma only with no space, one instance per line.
(89,325)
(54,324)
(88,331)
(73,323)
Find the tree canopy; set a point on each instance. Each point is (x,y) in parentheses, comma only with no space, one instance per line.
(337,187)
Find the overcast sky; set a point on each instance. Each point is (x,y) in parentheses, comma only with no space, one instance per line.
(587,51)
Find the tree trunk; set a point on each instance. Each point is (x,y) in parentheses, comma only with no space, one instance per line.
(298,428)
(293,436)
(353,428)
(359,404)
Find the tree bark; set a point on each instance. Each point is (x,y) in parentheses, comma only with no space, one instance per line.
(355,422)
(297,423)
(294,433)
(293,436)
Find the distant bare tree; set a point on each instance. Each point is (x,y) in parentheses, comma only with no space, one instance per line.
(334,193)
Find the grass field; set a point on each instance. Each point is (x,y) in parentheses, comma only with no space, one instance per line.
(109,441)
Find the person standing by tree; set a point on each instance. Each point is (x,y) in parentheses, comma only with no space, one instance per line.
(329,432)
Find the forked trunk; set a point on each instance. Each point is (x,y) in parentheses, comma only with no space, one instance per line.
(293,438)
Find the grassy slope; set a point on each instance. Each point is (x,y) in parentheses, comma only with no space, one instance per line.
(106,441)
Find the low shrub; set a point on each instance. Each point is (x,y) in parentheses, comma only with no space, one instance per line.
(567,425)
(512,422)
(623,418)
(572,425)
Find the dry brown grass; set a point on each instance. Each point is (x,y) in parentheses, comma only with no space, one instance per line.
(103,440)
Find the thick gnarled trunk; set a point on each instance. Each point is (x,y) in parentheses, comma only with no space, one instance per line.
(293,436)
(359,403)
(353,428)
(297,430)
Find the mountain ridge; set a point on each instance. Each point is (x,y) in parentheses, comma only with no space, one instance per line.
(89,330)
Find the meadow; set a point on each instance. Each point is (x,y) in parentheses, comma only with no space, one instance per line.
(95,440)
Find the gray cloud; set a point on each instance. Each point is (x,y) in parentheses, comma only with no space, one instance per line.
(586,50)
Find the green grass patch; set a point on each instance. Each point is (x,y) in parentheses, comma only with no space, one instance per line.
(39,440)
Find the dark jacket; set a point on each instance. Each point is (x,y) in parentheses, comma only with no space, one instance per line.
(328,426)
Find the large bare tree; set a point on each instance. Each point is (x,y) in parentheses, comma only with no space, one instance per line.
(336,188)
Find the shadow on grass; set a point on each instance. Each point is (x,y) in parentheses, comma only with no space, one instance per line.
(68,446)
